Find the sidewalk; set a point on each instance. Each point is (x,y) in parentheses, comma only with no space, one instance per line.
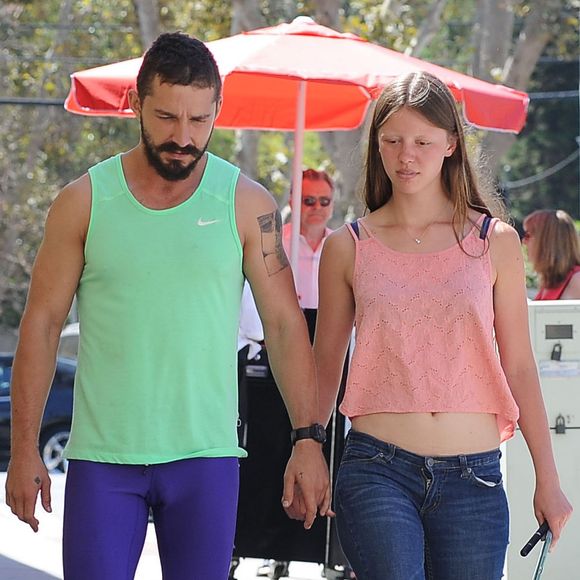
(25,555)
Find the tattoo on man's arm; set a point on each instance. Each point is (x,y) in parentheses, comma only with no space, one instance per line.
(272,248)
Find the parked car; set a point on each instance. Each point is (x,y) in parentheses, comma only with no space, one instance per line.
(56,422)
(69,341)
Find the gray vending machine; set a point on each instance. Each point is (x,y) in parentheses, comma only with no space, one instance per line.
(555,334)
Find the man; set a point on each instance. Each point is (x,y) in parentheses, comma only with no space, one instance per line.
(156,242)
(316,212)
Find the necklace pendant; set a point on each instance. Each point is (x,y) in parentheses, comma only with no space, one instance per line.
(417,241)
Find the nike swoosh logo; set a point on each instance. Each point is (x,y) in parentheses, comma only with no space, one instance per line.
(202,223)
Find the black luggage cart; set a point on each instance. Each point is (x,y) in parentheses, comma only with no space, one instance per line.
(263,528)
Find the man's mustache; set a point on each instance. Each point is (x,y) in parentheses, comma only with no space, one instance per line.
(175,148)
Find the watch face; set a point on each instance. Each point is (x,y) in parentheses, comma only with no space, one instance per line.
(319,433)
(316,432)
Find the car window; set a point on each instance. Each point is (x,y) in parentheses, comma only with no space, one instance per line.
(5,375)
(68,346)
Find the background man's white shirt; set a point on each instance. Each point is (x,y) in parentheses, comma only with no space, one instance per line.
(306,279)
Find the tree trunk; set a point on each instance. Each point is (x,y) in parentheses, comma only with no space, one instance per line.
(36,124)
(149,21)
(343,147)
(537,31)
(326,12)
(429,28)
(493,37)
(247,16)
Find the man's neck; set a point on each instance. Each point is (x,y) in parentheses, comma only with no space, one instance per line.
(314,235)
(152,190)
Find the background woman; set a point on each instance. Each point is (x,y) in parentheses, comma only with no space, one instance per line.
(428,277)
(554,251)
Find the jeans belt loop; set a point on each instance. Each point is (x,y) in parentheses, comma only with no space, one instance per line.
(465,470)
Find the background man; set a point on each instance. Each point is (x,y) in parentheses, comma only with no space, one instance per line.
(316,211)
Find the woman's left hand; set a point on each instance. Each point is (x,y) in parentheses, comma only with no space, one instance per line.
(551,505)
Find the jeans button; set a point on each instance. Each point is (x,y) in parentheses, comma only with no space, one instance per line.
(430,462)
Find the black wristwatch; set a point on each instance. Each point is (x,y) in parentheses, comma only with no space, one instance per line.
(316,432)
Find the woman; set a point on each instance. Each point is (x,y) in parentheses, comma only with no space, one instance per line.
(554,250)
(428,278)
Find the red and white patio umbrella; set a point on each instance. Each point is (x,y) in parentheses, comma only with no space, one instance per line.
(302,76)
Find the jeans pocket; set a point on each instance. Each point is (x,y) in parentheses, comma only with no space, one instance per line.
(353,454)
(488,476)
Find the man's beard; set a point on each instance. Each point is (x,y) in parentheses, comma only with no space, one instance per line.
(172,170)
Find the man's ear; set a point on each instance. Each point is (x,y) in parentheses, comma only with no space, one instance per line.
(218,106)
(134,102)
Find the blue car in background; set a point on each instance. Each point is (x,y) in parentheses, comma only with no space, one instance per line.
(56,422)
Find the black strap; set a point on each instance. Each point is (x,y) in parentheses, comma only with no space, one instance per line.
(354,226)
(485,227)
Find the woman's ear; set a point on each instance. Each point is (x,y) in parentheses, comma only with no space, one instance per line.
(451,146)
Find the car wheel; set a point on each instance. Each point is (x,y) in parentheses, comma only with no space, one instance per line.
(52,443)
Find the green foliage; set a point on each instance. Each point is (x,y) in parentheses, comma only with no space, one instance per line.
(205,20)
(397,30)
(275,160)
(548,137)
(43,148)
(552,126)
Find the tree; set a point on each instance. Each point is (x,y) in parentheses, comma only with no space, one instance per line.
(149,20)
(541,23)
(247,16)
(43,148)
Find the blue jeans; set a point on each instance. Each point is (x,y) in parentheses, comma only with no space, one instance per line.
(402,516)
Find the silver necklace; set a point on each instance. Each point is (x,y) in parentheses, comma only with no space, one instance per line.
(419,239)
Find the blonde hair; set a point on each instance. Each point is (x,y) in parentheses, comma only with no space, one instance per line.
(557,248)
(429,96)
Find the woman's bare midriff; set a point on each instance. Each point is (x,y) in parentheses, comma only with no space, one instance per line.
(433,434)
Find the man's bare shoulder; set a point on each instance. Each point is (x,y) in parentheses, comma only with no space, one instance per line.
(252,194)
(77,192)
(254,204)
(72,206)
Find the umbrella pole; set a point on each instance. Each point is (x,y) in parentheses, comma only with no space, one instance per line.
(297,177)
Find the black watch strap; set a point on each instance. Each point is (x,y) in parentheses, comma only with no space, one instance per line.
(315,431)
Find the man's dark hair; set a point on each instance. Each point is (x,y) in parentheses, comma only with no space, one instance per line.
(178,59)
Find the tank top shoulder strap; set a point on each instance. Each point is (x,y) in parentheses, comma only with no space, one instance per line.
(485,227)
(353,228)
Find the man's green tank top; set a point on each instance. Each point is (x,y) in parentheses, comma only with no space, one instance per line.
(159,301)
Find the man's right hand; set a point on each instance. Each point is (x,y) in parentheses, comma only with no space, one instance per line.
(27,476)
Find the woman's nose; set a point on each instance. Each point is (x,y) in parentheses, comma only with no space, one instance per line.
(406,153)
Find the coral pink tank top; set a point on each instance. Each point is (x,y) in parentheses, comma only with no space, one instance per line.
(424,333)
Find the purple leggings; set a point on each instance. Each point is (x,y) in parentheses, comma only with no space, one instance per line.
(106,510)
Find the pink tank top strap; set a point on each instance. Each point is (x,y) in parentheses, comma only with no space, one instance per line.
(353,228)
